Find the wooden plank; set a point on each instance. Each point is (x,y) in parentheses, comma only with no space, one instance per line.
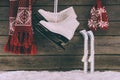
(28,62)
(4,27)
(77,2)
(55,62)
(113,28)
(101,62)
(45,47)
(66,2)
(4,14)
(103,45)
(81,11)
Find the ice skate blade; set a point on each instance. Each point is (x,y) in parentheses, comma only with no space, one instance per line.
(49,36)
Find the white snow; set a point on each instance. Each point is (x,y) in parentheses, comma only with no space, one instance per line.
(55,75)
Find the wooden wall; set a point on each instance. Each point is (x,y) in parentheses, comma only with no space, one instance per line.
(50,56)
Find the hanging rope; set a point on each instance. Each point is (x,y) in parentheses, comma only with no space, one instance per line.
(55,8)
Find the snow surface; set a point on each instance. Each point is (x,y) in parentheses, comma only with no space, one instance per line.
(68,75)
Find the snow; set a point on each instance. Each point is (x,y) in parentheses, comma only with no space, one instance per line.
(55,75)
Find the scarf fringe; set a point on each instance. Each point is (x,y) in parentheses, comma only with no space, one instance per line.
(7,46)
(21,42)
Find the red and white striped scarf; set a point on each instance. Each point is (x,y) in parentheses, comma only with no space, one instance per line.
(98,17)
(21,38)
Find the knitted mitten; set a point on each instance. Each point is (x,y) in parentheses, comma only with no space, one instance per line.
(102,16)
(98,17)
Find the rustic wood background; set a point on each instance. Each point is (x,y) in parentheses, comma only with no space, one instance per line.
(50,56)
